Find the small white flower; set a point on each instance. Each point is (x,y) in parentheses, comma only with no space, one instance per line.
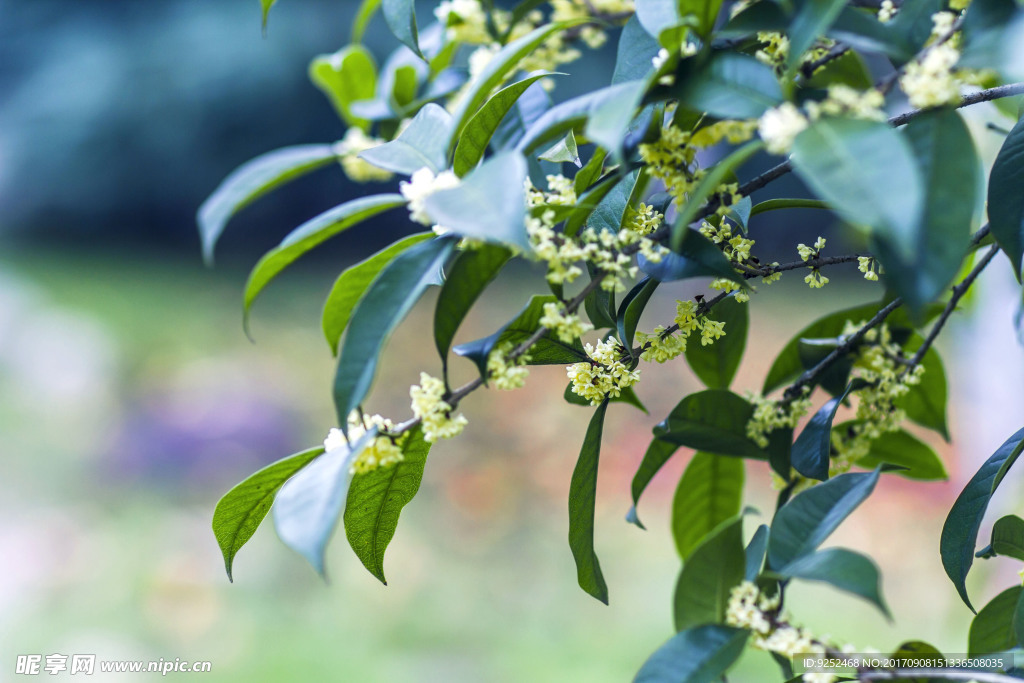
(778,127)
(421,185)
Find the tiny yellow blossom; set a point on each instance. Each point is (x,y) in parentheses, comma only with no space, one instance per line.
(382,451)
(434,412)
(504,374)
(711,330)
(605,375)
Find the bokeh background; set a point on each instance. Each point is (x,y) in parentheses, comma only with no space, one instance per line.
(130,399)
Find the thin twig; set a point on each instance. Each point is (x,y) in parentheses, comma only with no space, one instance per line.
(838,50)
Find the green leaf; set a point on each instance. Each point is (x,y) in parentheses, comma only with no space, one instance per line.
(631,308)
(656,16)
(600,305)
(589,174)
(993,629)
(495,73)
(657,454)
(345,77)
(252,180)
(567,115)
(960,532)
(610,211)
(709,493)
(714,420)
(635,51)
(867,172)
(755,553)
(472,143)
(375,501)
(812,449)
(803,524)
(493,191)
(704,12)
(311,234)
(903,449)
(400,16)
(267,4)
(403,88)
(812,20)
(707,186)
(948,165)
(716,364)
(470,274)
(847,69)
(925,403)
(582,493)
(1008,537)
(776,204)
(697,655)
(709,574)
(239,513)
(843,569)
(1005,201)
(350,286)
(307,507)
(608,123)
(422,145)
(385,304)
(563,151)
(731,86)
(367,8)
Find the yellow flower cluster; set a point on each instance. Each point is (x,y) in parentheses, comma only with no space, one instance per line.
(771,414)
(348,149)
(466,20)
(383,451)
(643,220)
(843,100)
(866,265)
(663,345)
(605,375)
(671,159)
(815,279)
(659,347)
(504,374)
(566,326)
(560,192)
(931,81)
(593,36)
(774,49)
(735,247)
(434,412)
(732,131)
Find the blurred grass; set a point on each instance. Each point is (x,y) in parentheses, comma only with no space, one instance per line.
(110,482)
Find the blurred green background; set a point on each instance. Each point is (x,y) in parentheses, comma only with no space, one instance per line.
(130,399)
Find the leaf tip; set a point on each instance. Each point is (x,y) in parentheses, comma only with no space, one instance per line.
(633,519)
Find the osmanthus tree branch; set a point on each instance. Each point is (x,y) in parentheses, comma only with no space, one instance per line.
(935,674)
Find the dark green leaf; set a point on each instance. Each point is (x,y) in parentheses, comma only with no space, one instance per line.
(351,285)
(731,86)
(422,145)
(985,33)
(567,115)
(703,12)
(714,420)
(600,305)
(702,259)
(488,204)
(844,569)
(698,655)
(636,50)
(709,493)
(755,553)
(307,507)
(867,172)
(1008,537)
(375,501)
(311,234)
(656,16)
(400,16)
(904,449)
(467,278)
(715,566)
(657,454)
(252,180)
(812,449)
(847,69)
(716,364)
(960,532)
(610,211)
(993,629)
(345,77)
(802,524)
(776,204)
(949,168)
(385,304)
(925,403)
(239,513)
(587,175)
(1005,201)
(582,493)
(477,134)
(631,308)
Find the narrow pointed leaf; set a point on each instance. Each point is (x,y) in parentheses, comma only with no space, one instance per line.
(1005,201)
(656,455)
(252,180)
(960,532)
(632,308)
(266,5)
(350,286)
(803,524)
(239,513)
(709,493)
(709,574)
(385,304)
(697,655)
(582,495)
(843,569)
(635,51)
(422,145)
(311,234)
(811,21)
(812,449)
(731,86)
(992,630)
(375,501)
(903,449)
(400,16)
(755,551)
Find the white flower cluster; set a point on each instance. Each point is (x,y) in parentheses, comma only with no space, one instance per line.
(660,346)
(931,81)
(735,247)
(771,414)
(421,185)
(503,373)
(605,375)
(566,326)
(383,451)
(815,279)
(434,412)
(357,169)
(867,265)
(779,127)
(664,344)
(887,11)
